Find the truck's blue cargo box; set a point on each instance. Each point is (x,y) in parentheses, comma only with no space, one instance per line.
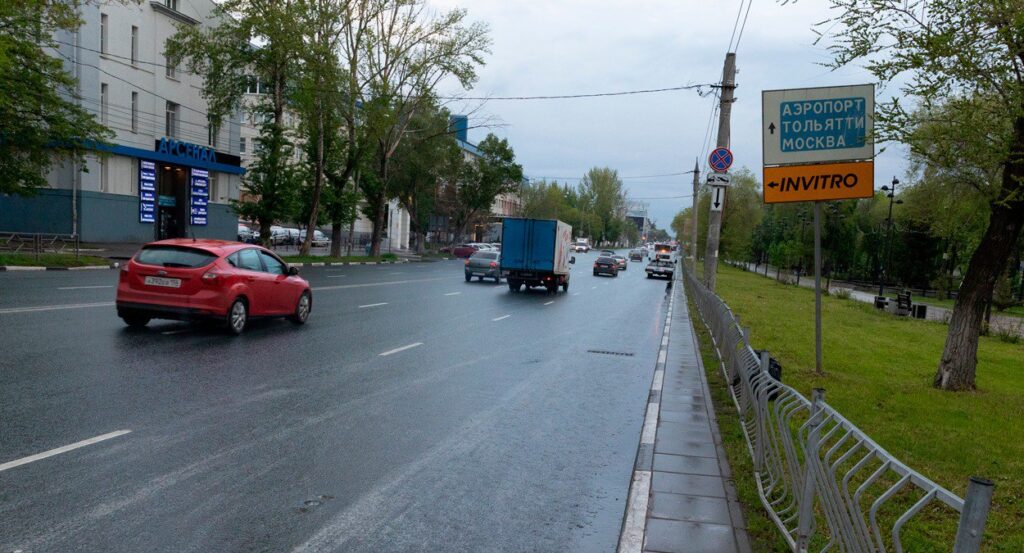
(540,245)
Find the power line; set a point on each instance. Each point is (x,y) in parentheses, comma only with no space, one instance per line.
(621,177)
(744,26)
(734,26)
(699,88)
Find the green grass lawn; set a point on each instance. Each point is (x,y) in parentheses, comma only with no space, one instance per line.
(879,371)
(1016,311)
(341,259)
(51,260)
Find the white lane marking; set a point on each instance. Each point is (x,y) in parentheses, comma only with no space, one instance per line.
(335,276)
(59,450)
(575,293)
(179,331)
(369,284)
(85,287)
(501,317)
(662,355)
(372,305)
(659,380)
(632,538)
(650,424)
(664,341)
(11,310)
(550,302)
(593,287)
(453,293)
(403,348)
(396,273)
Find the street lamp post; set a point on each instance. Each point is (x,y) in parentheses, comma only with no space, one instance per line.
(882,272)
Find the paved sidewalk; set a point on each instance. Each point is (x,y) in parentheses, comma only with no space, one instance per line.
(682,482)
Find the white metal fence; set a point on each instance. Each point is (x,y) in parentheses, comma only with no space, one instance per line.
(825,483)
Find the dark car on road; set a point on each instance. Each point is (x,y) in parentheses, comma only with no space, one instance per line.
(636,255)
(185,279)
(606,266)
(484,264)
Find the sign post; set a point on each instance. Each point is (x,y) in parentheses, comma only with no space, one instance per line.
(817,146)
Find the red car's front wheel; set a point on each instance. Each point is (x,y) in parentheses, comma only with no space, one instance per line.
(302,309)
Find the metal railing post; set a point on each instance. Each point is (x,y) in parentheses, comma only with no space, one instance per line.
(972,518)
(36,245)
(760,410)
(77,246)
(806,515)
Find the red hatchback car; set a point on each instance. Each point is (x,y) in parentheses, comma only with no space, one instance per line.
(187,279)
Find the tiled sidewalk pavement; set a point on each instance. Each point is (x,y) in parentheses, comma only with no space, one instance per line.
(692,505)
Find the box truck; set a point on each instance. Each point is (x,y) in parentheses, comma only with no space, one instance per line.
(536,252)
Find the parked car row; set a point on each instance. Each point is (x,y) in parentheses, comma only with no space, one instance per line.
(282,236)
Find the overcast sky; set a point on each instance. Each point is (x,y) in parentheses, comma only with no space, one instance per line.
(553,47)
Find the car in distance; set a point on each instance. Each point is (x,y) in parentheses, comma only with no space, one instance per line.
(623,265)
(661,267)
(464,250)
(635,255)
(484,264)
(581,247)
(607,253)
(606,266)
(188,279)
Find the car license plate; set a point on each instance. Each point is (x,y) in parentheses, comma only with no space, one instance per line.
(165,282)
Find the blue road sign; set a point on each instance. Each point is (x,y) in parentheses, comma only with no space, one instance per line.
(720,159)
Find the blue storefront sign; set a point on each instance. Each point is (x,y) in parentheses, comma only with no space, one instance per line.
(147,191)
(199,194)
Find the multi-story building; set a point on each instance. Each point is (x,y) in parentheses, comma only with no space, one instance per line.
(167,172)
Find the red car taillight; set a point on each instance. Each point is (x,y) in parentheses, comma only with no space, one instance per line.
(595,265)
(493,264)
(467,262)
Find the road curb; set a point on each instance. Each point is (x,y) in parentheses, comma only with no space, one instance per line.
(344,263)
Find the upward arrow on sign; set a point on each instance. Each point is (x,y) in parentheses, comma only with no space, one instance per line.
(771,128)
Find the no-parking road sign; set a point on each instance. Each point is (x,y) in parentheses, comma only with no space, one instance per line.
(720,159)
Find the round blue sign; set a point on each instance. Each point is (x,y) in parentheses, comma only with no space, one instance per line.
(720,159)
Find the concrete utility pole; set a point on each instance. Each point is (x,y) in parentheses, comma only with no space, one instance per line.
(693,227)
(714,216)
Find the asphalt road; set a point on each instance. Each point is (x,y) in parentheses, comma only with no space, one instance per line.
(499,431)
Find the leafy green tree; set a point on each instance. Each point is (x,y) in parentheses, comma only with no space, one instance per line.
(272,182)
(602,195)
(967,59)
(41,121)
(254,40)
(420,164)
(482,180)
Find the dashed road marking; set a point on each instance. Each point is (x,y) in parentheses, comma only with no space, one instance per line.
(403,348)
(335,276)
(85,287)
(63,449)
(12,310)
(372,305)
(177,331)
(453,293)
(369,284)
(501,317)
(550,302)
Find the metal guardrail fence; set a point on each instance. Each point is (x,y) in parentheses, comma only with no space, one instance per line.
(824,482)
(38,243)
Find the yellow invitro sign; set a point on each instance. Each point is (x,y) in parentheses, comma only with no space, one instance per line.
(826,181)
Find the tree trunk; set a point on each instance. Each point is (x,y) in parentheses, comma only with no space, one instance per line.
(265,225)
(335,238)
(378,225)
(351,235)
(318,180)
(959,357)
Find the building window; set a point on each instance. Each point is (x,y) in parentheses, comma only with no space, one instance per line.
(103,33)
(171,69)
(135,112)
(241,145)
(135,45)
(104,105)
(104,174)
(173,4)
(171,128)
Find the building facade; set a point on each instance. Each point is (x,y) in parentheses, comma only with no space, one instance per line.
(166,172)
